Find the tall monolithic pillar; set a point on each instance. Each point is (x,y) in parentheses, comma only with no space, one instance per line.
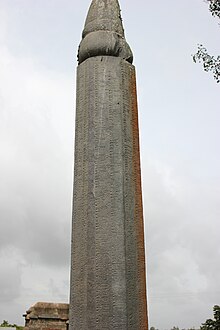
(108,285)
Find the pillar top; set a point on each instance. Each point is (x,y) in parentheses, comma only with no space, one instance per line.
(103,33)
(104,15)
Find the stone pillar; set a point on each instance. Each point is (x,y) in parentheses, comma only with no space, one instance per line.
(108,289)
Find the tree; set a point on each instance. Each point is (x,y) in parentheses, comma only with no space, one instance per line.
(214,7)
(210,63)
(213,324)
(6,324)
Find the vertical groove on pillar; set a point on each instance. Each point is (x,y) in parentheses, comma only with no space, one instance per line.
(108,273)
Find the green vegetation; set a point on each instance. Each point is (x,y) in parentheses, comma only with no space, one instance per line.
(174,328)
(6,324)
(209,62)
(209,324)
(213,324)
(214,7)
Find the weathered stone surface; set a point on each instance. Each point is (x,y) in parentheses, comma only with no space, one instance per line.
(47,316)
(103,33)
(104,43)
(108,274)
(108,289)
(104,15)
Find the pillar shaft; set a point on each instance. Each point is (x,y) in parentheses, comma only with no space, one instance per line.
(108,289)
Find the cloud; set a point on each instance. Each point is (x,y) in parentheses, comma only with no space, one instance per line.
(36,139)
(181,245)
(10,276)
(3,26)
(180,175)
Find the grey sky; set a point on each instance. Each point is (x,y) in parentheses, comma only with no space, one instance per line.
(179,122)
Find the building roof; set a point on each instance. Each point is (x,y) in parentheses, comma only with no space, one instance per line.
(45,310)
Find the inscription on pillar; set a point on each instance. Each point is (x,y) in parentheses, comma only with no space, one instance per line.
(108,275)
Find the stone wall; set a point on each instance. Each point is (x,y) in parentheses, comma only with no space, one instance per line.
(47,316)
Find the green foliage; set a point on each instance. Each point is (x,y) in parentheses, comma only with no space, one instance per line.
(214,7)
(6,324)
(210,63)
(212,324)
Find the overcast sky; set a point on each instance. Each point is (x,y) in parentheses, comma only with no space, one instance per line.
(179,119)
